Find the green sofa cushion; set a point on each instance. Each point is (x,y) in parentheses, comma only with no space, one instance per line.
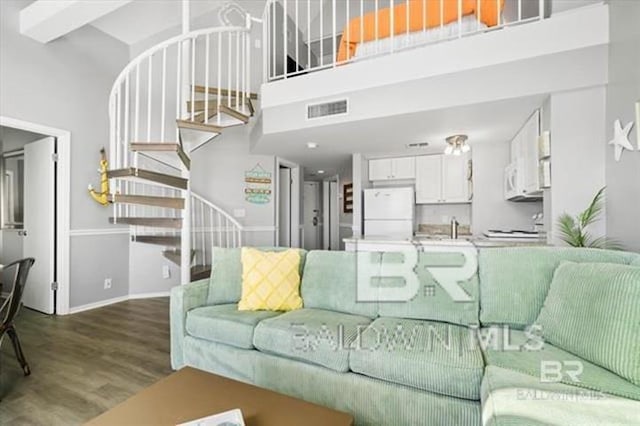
(432,301)
(311,335)
(225,324)
(513,398)
(329,282)
(430,356)
(226,274)
(514,281)
(527,353)
(593,310)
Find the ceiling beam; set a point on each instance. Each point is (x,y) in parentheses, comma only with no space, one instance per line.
(46,20)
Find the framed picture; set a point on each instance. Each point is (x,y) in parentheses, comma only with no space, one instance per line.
(347,197)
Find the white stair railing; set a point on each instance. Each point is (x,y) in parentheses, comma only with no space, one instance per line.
(211,227)
(155,90)
(301,36)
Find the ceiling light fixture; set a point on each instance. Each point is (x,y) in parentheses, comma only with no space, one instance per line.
(320,172)
(457,145)
(312,145)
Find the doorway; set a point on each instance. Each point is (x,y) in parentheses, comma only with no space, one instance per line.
(312,208)
(34,219)
(288,204)
(330,214)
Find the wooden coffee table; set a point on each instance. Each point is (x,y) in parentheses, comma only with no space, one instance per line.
(190,394)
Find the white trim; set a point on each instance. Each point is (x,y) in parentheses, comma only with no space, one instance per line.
(97,232)
(64,205)
(149,295)
(103,303)
(265,228)
(96,305)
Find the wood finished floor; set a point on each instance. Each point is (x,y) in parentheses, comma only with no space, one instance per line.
(83,364)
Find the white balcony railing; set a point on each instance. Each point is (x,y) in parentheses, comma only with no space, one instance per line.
(302,36)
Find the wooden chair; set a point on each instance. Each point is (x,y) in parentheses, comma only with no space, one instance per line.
(11,306)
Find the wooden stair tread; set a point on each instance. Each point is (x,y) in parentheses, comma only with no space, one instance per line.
(199,272)
(155,146)
(153,222)
(161,178)
(223,92)
(160,240)
(187,124)
(147,200)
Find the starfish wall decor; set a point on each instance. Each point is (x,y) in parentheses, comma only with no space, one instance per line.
(620,139)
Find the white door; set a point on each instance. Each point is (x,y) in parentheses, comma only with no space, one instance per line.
(455,183)
(330,215)
(428,179)
(334,214)
(404,168)
(311,212)
(284,207)
(39,223)
(380,169)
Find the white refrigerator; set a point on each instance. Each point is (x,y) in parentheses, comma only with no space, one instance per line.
(389,212)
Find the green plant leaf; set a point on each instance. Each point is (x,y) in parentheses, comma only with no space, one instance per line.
(569,230)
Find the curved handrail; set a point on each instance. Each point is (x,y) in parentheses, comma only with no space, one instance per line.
(226,215)
(165,44)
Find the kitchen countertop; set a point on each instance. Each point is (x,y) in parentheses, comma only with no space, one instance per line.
(444,240)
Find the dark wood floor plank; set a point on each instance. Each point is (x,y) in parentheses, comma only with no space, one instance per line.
(83,364)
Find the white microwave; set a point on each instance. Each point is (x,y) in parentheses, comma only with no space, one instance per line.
(513,184)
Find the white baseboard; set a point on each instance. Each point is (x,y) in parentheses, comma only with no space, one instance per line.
(95,305)
(102,303)
(150,295)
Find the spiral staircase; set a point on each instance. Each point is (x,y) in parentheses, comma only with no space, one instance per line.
(165,104)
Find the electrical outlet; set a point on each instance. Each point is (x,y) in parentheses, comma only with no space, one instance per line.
(107,283)
(239,212)
(166,272)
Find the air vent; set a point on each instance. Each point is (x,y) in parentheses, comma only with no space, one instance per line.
(418,145)
(327,109)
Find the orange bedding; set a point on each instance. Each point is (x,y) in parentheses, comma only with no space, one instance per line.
(364,29)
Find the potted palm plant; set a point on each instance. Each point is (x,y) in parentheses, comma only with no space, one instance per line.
(574,230)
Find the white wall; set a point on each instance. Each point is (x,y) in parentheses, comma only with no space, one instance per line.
(65,84)
(577,153)
(489,209)
(623,178)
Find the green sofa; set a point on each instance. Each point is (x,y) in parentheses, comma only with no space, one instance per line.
(426,361)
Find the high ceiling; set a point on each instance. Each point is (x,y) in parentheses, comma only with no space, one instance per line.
(141,19)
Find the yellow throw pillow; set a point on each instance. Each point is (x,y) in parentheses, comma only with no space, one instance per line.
(270,280)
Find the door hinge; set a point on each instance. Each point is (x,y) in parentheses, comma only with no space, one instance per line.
(54,158)
(54,286)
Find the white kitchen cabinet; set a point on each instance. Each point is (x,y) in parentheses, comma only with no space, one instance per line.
(392,168)
(455,178)
(403,167)
(380,169)
(522,178)
(442,179)
(429,179)
(529,150)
